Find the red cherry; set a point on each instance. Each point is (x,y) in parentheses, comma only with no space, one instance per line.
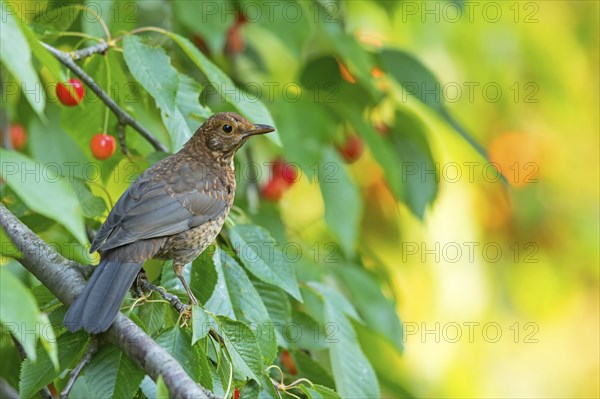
(236,393)
(235,42)
(18,137)
(288,362)
(282,169)
(352,149)
(274,189)
(70,93)
(103,146)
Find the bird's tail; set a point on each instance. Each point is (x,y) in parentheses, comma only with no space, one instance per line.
(98,304)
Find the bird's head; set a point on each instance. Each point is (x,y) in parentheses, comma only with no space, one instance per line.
(225,132)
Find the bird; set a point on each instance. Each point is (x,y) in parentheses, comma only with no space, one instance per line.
(174,210)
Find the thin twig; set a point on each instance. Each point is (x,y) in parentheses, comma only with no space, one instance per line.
(87,357)
(123,116)
(122,143)
(99,48)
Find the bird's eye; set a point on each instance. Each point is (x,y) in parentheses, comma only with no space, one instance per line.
(227,128)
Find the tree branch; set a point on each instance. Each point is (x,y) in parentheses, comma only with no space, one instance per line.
(100,48)
(68,60)
(66,282)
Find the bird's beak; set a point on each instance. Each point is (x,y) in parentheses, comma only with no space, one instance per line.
(259,129)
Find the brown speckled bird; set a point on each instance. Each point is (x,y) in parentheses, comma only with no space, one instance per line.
(174,210)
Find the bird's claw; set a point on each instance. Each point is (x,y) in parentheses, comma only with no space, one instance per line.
(185,316)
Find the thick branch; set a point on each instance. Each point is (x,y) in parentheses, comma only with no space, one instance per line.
(66,282)
(67,59)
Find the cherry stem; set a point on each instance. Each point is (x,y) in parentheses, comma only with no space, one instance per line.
(99,17)
(140,30)
(106,111)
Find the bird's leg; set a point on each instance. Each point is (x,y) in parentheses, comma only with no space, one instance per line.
(178,268)
(138,284)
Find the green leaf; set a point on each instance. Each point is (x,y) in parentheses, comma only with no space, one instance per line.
(177,342)
(20,314)
(334,297)
(207,20)
(148,387)
(39,373)
(15,54)
(161,389)
(119,15)
(43,56)
(419,172)
(45,298)
(305,332)
(292,32)
(343,203)
(43,191)
(263,258)
(235,297)
(203,277)
(319,392)
(8,248)
(111,374)
(177,95)
(9,357)
(50,145)
(278,305)
(252,108)
(170,282)
(304,138)
(242,345)
(418,81)
(188,103)
(376,310)
(151,66)
(311,369)
(353,374)
(250,390)
(55,19)
(386,360)
(91,205)
(201,323)
(81,389)
(153,315)
(379,147)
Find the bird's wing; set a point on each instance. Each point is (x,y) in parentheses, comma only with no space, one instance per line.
(150,209)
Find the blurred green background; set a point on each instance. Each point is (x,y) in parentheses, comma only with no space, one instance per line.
(523,322)
(543,299)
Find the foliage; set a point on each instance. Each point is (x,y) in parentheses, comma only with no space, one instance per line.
(264,288)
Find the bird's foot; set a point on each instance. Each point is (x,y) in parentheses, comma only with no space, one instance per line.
(184,316)
(140,283)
